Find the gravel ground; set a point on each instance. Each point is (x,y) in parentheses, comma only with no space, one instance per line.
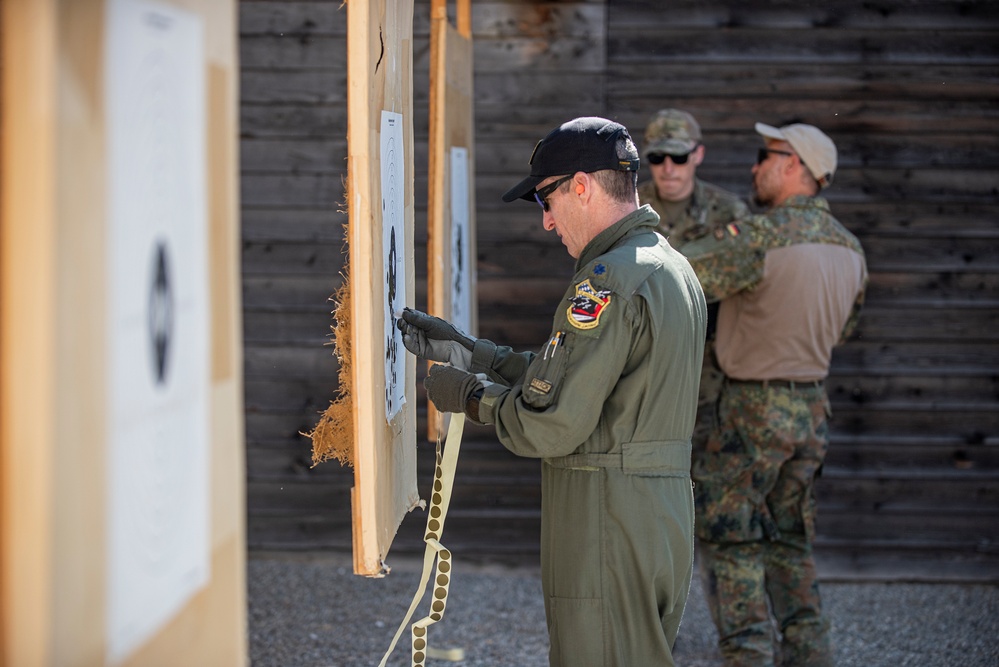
(310,610)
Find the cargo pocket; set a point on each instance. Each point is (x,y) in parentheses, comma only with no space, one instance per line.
(795,515)
(577,632)
(546,372)
(792,500)
(726,508)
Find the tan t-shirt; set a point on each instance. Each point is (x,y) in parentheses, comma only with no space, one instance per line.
(791,284)
(786,327)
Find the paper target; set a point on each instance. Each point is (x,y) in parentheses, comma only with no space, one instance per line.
(461,241)
(158,331)
(393,230)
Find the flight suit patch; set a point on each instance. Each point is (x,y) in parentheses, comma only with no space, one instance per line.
(541,386)
(587,306)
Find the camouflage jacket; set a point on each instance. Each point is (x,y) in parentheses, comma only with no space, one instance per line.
(733,266)
(709,208)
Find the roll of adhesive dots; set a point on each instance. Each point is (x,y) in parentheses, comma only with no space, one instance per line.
(435,553)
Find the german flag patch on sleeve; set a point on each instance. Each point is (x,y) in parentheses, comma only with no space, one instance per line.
(730,230)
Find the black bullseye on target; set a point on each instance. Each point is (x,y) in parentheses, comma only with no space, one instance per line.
(160,313)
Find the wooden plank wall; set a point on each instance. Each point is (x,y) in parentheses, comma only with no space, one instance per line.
(907,89)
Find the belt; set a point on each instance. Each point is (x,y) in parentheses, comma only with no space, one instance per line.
(661,458)
(782,384)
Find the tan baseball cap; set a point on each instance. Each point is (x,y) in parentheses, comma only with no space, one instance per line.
(816,150)
(671,131)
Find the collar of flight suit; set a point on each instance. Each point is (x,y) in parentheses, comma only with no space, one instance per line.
(643,219)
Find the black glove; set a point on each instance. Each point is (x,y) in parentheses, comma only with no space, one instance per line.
(450,388)
(430,337)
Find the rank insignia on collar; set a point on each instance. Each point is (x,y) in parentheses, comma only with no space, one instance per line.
(587,306)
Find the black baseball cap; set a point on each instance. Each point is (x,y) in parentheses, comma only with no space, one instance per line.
(584,144)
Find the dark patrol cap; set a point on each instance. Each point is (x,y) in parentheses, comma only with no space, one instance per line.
(583,144)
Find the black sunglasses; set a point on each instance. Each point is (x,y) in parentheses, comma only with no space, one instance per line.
(542,195)
(761,156)
(659,158)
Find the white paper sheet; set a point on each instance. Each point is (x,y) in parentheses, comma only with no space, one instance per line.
(393,174)
(158,546)
(461,251)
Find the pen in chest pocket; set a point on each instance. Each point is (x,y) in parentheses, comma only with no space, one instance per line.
(552,345)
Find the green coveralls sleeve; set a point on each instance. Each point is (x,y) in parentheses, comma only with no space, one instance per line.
(557,403)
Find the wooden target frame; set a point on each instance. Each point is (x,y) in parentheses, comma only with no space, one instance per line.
(451,242)
(63,132)
(380,91)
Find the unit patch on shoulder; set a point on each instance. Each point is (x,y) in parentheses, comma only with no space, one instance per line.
(587,306)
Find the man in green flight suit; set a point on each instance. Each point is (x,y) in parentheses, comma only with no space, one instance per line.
(689,209)
(607,404)
(791,284)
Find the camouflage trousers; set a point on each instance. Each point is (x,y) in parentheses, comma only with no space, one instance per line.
(755,522)
(708,393)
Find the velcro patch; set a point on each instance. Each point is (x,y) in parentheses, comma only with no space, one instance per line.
(587,306)
(541,386)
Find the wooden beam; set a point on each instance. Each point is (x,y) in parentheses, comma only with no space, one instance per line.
(379,79)
(451,239)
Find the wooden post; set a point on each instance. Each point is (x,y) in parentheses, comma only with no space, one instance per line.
(451,238)
(56,381)
(380,200)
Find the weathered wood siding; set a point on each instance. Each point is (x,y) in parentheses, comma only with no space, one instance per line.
(908,90)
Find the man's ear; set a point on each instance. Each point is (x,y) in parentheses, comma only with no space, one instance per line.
(698,156)
(793,162)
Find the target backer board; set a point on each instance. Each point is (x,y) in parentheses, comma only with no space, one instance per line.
(451,278)
(380,204)
(121,422)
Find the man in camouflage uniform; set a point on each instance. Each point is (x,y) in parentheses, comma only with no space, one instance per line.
(689,209)
(607,404)
(791,284)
